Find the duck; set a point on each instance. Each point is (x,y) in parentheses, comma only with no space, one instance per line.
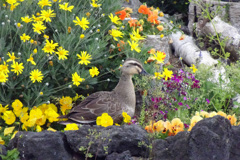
(121,99)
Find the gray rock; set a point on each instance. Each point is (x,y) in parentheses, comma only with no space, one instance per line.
(211,139)
(41,146)
(101,141)
(160,44)
(133,4)
(3,150)
(172,148)
(126,155)
(235,148)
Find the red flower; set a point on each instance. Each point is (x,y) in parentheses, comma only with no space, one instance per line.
(133,22)
(153,18)
(143,9)
(122,14)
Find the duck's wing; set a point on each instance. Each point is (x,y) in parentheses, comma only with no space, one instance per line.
(94,105)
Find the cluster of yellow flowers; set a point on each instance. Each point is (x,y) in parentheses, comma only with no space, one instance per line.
(116,33)
(203,114)
(39,26)
(176,125)
(173,127)
(106,120)
(36,118)
(43,116)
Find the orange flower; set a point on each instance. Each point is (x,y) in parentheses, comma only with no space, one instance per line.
(152,51)
(152,17)
(133,22)
(150,59)
(149,128)
(160,27)
(232,119)
(50,63)
(140,28)
(182,37)
(120,45)
(128,11)
(69,29)
(143,9)
(158,126)
(122,14)
(177,125)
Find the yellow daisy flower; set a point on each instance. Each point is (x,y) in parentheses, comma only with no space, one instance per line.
(43,3)
(62,53)
(115,19)
(77,79)
(25,37)
(47,14)
(83,23)
(49,47)
(38,27)
(194,68)
(3,77)
(26,19)
(36,75)
(134,46)
(94,71)
(65,7)
(116,33)
(30,59)
(17,68)
(12,57)
(84,58)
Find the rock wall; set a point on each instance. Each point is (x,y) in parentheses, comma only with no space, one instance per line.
(210,139)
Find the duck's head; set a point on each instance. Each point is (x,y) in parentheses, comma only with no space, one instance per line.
(132,66)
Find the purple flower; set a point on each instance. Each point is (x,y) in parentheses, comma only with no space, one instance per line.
(207,100)
(165,116)
(176,109)
(180,103)
(153,100)
(162,112)
(186,125)
(184,98)
(187,106)
(181,71)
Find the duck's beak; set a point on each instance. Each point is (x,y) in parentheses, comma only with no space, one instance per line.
(143,72)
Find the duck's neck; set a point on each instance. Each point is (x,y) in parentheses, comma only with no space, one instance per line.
(125,89)
(125,84)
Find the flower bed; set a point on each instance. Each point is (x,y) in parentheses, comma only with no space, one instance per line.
(55,53)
